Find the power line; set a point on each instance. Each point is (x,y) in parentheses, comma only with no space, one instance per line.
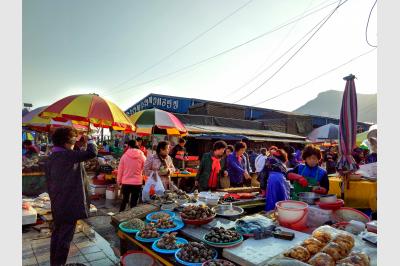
(279,58)
(182,47)
(301,47)
(221,53)
(270,55)
(319,76)
(366,28)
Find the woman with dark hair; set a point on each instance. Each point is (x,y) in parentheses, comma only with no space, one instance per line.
(278,188)
(30,149)
(130,174)
(229,149)
(236,165)
(309,176)
(67,188)
(161,164)
(211,168)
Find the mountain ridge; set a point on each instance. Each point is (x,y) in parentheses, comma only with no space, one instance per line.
(328,103)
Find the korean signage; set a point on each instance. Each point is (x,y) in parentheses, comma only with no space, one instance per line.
(160,102)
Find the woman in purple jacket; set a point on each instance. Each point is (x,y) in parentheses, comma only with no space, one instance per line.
(236,165)
(67,187)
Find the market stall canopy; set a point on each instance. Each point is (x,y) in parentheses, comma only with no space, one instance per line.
(89,108)
(147,120)
(328,132)
(33,121)
(211,132)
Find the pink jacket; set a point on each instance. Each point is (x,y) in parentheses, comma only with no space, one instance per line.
(130,169)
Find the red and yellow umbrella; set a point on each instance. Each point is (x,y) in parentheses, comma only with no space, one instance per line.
(33,121)
(89,108)
(147,121)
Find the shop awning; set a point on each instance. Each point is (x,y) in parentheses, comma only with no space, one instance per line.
(263,139)
(210,132)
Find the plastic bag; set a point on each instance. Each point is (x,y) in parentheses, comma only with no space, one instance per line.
(251,224)
(151,185)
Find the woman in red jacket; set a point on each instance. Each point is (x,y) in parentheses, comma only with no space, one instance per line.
(130,174)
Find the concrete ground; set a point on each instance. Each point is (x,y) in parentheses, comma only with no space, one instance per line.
(98,244)
(87,247)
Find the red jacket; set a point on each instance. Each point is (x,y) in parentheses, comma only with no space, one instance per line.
(130,168)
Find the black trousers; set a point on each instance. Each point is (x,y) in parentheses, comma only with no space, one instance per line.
(132,191)
(61,238)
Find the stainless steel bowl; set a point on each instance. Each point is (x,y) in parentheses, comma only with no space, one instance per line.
(220,210)
(308,197)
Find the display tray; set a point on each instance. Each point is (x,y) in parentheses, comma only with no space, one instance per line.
(179,225)
(189,263)
(146,240)
(149,216)
(223,245)
(179,240)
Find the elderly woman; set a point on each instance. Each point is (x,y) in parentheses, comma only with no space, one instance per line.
(67,187)
(161,164)
(310,176)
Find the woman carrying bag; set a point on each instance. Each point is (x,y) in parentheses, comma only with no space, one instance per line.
(160,164)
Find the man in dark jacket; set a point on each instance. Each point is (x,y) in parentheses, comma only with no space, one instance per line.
(211,168)
(178,149)
(67,190)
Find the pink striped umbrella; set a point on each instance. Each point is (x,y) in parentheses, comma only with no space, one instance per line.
(348,127)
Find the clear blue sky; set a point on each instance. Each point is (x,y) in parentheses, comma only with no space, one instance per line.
(74,46)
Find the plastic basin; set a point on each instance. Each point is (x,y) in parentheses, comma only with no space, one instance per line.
(292,214)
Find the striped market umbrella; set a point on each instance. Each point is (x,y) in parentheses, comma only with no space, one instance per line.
(89,108)
(33,121)
(347,131)
(147,121)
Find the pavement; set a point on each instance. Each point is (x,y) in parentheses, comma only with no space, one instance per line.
(95,241)
(87,247)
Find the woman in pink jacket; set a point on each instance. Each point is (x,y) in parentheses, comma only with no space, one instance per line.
(130,174)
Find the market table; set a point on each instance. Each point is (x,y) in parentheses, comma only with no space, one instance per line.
(179,176)
(362,194)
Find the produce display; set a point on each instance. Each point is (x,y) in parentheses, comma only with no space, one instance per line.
(149,231)
(336,251)
(299,253)
(222,235)
(34,164)
(355,258)
(165,223)
(135,223)
(313,245)
(160,215)
(193,212)
(345,241)
(218,262)
(168,241)
(328,247)
(322,259)
(195,252)
(322,236)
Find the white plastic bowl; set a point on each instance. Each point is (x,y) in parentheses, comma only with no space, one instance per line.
(329,198)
